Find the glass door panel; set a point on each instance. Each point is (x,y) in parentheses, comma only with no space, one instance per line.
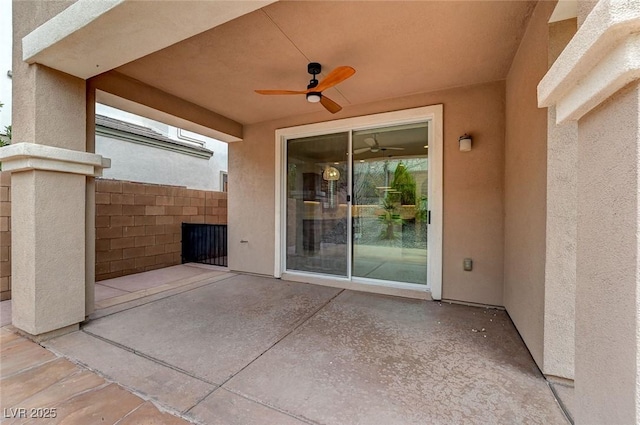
(317,211)
(390,203)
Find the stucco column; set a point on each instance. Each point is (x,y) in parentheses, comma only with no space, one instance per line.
(90,210)
(596,83)
(608,290)
(49,169)
(560,264)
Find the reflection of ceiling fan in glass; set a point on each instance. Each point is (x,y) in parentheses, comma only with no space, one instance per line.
(374,146)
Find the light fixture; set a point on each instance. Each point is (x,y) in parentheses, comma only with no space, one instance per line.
(465,143)
(331,174)
(313,97)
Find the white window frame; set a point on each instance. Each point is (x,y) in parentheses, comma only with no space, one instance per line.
(223,174)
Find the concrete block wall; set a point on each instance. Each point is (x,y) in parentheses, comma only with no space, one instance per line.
(5,235)
(138,226)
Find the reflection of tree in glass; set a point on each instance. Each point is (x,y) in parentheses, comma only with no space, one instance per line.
(389,218)
(367,177)
(291,177)
(403,185)
(386,183)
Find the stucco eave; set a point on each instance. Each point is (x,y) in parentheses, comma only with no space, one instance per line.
(87,38)
(601,58)
(125,93)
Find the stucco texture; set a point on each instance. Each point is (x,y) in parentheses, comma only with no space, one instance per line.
(31,81)
(526,185)
(48,267)
(560,267)
(48,248)
(607,294)
(473,189)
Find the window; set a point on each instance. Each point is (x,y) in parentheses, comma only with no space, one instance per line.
(223,181)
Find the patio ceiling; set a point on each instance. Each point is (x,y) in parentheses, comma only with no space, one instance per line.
(397,50)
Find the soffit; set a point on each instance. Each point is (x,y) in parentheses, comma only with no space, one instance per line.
(397,49)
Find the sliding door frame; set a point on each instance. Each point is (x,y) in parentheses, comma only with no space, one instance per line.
(434,115)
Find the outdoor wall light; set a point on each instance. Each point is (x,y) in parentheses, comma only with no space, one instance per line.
(313,97)
(465,143)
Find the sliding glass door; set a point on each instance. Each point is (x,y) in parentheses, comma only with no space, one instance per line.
(357,204)
(317,208)
(390,203)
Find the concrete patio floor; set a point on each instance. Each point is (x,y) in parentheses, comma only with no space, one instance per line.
(239,349)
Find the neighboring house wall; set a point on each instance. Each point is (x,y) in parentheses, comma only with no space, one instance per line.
(5,235)
(138,226)
(168,161)
(526,185)
(139,163)
(218,162)
(473,189)
(134,160)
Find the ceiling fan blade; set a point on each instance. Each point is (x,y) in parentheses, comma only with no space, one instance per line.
(361,150)
(370,141)
(392,149)
(281,91)
(336,76)
(330,105)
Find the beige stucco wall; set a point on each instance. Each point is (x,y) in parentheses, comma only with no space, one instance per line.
(48,208)
(607,293)
(526,185)
(473,189)
(26,17)
(584,8)
(48,247)
(560,267)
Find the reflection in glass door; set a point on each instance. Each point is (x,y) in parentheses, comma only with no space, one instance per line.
(317,212)
(390,203)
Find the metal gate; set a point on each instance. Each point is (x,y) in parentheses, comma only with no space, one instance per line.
(204,243)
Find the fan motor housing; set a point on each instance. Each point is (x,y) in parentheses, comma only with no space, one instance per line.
(314,68)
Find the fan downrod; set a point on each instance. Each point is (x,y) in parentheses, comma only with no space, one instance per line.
(314,68)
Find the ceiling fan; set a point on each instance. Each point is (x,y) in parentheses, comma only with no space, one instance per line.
(314,89)
(374,146)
